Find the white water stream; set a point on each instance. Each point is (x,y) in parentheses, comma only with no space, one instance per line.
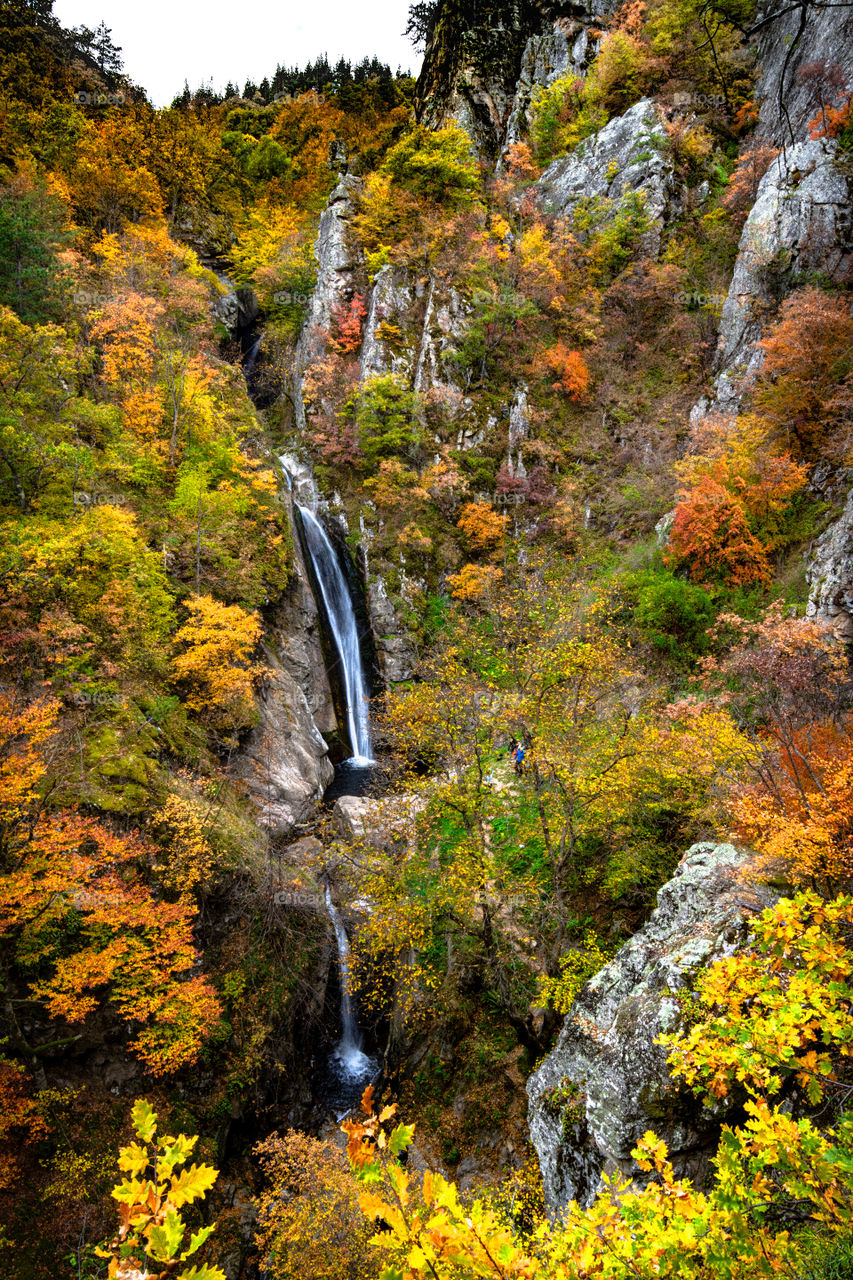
(341,615)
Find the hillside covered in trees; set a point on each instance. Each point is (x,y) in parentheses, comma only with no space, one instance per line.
(426,597)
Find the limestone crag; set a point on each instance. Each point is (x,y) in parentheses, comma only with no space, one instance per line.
(801,223)
(830,575)
(485,60)
(628,155)
(567,46)
(336,262)
(606,1081)
(784,47)
(285,764)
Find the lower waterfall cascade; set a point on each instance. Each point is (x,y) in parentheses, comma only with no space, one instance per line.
(350,1068)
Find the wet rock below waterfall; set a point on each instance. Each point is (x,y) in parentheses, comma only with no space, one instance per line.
(284,763)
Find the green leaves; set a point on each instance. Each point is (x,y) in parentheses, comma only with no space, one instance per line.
(401,1138)
(165,1240)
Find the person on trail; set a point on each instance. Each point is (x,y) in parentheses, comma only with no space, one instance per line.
(513,747)
(519,760)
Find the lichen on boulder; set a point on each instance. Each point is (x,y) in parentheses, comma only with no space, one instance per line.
(606,1081)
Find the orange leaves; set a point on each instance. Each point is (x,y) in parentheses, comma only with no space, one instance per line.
(127,328)
(734,502)
(570,369)
(19,1115)
(474,582)
(482,526)
(804,823)
(806,379)
(76,872)
(710,533)
(73,901)
(753,162)
(347,324)
(25,730)
(520,165)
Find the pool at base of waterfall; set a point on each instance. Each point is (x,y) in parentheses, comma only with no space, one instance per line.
(352,778)
(347,1074)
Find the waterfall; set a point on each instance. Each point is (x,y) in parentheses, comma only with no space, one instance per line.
(349,1045)
(341,615)
(349,1068)
(252,357)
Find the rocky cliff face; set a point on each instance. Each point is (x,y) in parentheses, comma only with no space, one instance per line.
(606,1081)
(485,60)
(626,157)
(285,763)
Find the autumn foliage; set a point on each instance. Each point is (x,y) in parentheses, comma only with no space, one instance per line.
(213,663)
(77,910)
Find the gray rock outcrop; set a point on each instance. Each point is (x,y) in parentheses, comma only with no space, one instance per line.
(284,764)
(394,650)
(606,1081)
(829,573)
(626,156)
(801,222)
(336,262)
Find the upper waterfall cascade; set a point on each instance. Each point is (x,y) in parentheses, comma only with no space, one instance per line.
(341,615)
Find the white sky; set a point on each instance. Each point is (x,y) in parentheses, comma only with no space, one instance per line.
(165,42)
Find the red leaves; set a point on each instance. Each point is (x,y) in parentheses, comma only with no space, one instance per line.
(348,324)
(711,534)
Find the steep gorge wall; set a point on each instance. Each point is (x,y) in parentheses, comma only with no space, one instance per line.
(606,1081)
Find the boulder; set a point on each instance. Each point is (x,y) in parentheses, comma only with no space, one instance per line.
(606,1081)
(386,823)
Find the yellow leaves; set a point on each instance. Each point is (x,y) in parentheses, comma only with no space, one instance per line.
(150,1225)
(213,663)
(273,243)
(309,1220)
(190,861)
